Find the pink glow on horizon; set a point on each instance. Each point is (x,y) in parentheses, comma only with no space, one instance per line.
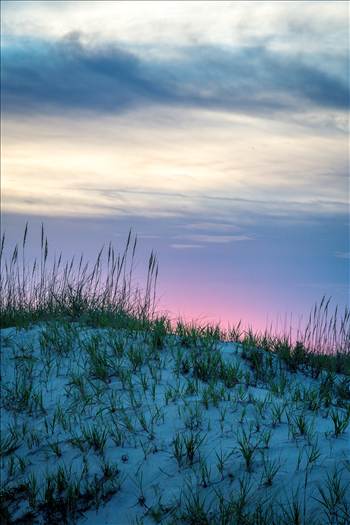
(227,311)
(208,287)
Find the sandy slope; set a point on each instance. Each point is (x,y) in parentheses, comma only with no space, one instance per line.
(143,404)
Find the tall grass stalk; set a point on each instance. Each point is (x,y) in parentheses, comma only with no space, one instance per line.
(48,287)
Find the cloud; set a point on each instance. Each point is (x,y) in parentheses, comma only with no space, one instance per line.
(54,76)
(40,75)
(185,246)
(216,239)
(212,226)
(342,255)
(317,25)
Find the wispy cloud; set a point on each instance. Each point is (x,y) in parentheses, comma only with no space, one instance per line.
(216,239)
(185,246)
(342,255)
(212,226)
(174,163)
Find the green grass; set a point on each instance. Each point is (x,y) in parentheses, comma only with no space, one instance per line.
(104,295)
(125,368)
(100,294)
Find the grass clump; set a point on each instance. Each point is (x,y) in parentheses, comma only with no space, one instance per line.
(102,294)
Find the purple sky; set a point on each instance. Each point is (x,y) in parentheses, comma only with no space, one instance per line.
(218,131)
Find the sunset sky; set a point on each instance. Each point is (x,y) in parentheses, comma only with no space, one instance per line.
(218,131)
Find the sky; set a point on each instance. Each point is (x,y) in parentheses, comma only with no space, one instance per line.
(217,131)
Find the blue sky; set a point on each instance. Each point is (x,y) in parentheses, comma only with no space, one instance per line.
(217,130)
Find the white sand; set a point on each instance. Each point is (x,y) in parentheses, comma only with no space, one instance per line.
(152,482)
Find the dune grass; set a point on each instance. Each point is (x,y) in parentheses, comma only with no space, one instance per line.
(106,402)
(52,288)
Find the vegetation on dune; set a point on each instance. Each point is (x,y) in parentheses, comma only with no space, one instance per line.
(98,387)
(103,294)
(100,294)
